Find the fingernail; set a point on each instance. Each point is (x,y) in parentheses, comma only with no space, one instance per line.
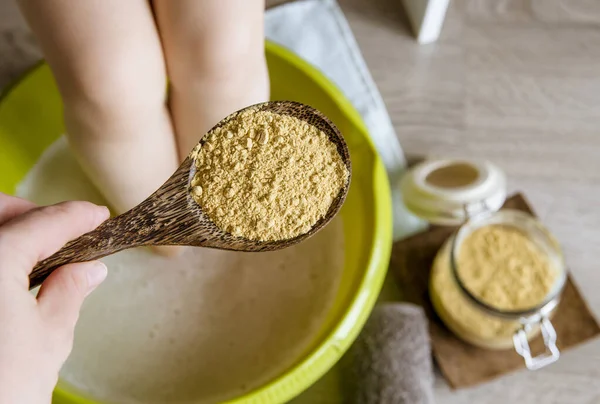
(103,213)
(96,274)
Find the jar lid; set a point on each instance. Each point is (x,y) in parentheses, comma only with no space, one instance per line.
(450,191)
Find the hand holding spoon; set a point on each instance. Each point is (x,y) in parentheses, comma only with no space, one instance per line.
(171,216)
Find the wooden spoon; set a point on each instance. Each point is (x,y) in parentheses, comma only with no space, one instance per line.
(170,216)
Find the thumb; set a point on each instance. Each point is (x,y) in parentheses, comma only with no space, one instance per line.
(62,293)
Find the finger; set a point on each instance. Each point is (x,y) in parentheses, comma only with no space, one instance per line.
(29,238)
(63,292)
(11,206)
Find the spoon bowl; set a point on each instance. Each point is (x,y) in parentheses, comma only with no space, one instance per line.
(171,216)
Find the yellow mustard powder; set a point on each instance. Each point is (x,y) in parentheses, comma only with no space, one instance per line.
(265,176)
(501,267)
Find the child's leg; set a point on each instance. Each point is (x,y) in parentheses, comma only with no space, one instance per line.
(215,60)
(107,59)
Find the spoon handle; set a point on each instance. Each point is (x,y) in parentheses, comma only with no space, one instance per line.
(116,234)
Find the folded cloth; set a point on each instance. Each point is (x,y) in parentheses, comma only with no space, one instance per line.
(391,359)
(318,31)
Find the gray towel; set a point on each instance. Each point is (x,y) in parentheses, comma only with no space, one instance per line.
(390,363)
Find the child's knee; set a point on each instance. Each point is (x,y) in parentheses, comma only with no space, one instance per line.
(119,86)
(213,61)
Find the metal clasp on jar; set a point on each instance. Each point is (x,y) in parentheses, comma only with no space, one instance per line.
(541,319)
(522,346)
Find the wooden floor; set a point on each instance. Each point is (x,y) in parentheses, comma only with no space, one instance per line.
(516,82)
(513,81)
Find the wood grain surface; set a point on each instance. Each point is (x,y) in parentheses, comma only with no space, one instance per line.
(516,82)
(513,81)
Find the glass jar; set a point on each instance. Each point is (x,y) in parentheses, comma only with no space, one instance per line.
(470,194)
